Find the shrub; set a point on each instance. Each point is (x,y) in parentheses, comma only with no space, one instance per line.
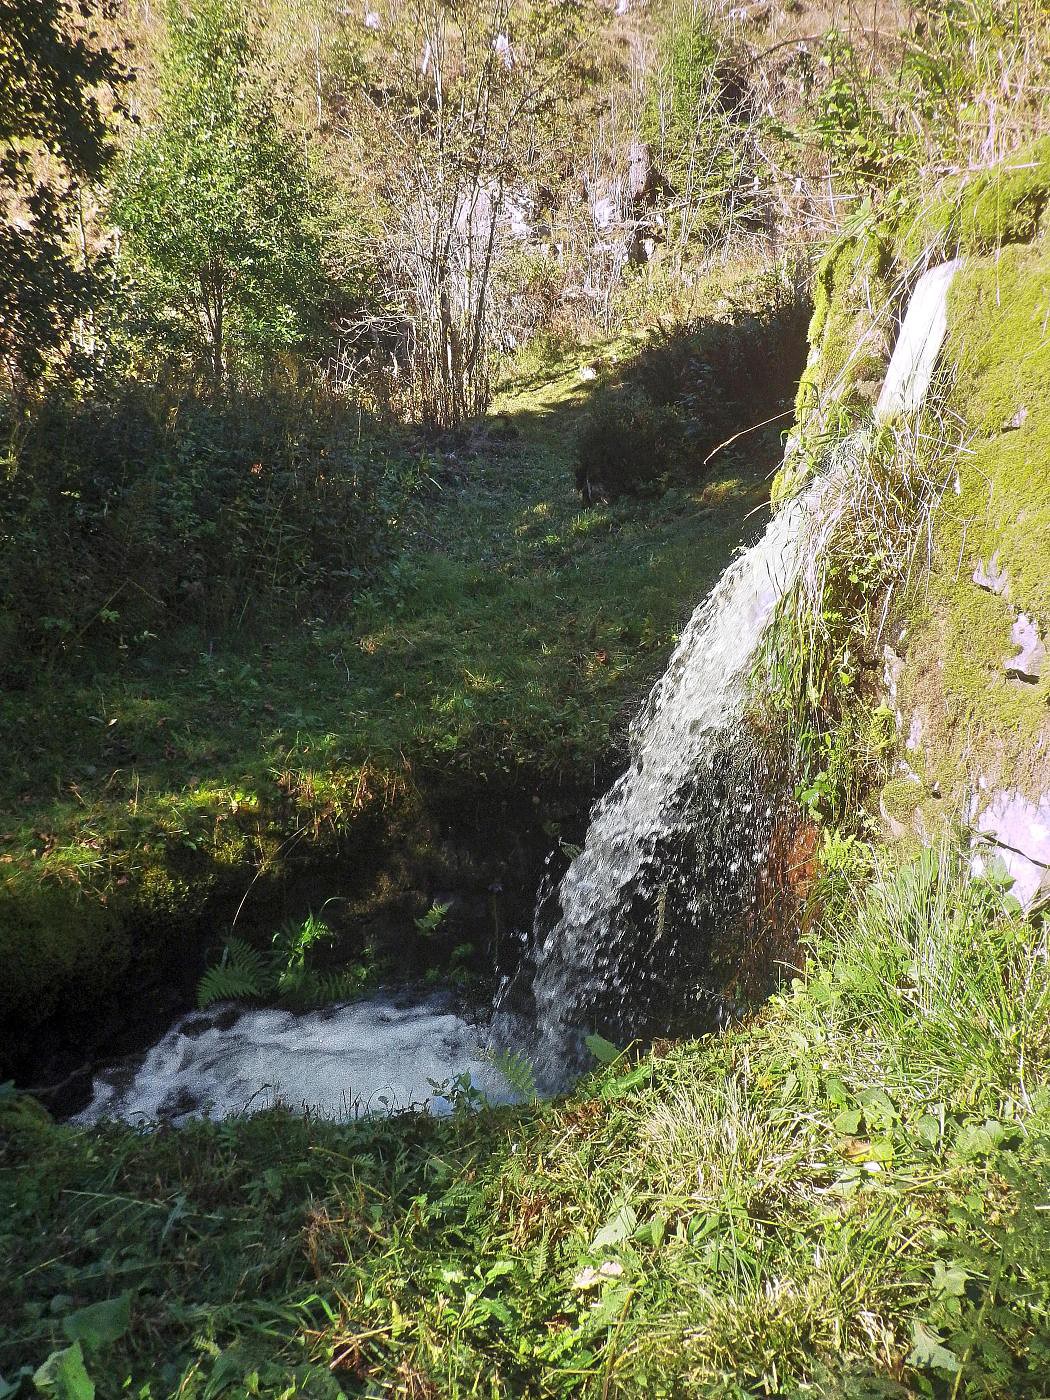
(692,389)
(627,444)
(128,516)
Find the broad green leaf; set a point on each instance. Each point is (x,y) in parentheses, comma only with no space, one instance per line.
(10,1388)
(928,1129)
(929,1352)
(652,1231)
(604,1051)
(610,1306)
(949,1281)
(979,1139)
(616,1088)
(619,1226)
(848,1122)
(100,1323)
(64,1376)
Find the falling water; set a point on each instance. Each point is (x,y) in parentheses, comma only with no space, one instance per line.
(675,850)
(671,869)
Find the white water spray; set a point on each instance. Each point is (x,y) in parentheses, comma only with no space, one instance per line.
(371,1056)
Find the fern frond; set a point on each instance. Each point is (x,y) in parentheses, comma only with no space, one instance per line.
(302,988)
(519,1073)
(242,974)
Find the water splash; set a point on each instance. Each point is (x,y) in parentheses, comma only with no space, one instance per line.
(674,849)
(380,1055)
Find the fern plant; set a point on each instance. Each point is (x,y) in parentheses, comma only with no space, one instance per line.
(284,974)
(241,974)
(519,1073)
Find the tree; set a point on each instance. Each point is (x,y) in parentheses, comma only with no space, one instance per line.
(457,122)
(221,243)
(53,135)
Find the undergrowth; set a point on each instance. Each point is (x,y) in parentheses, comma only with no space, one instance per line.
(844,1196)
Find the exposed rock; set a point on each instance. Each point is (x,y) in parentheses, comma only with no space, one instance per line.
(605,212)
(372,20)
(1027,665)
(503,51)
(995,578)
(1014,833)
(1017,421)
(892,670)
(915,731)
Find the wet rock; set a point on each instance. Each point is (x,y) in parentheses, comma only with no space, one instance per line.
(994,578)
(1027,665)
(1014,834)
(915,732)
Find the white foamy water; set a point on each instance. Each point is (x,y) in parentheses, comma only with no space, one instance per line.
(918,344)
(372,1056)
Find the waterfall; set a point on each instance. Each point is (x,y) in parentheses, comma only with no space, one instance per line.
(674,852)
(675,847)
(671,872)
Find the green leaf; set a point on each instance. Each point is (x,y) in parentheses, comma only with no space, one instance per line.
(979,1139)
(848,1122)
(618,1227)
(928,1129)
(100,1323)
(949,1281)
(609,1308)
(652,1231)
(616,1088)
(604,1051)
(929,1352)
(10,1388)
(64,1377)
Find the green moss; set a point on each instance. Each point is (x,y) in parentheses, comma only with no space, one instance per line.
(901,797)
(848,346)
(979,721)
(978,214)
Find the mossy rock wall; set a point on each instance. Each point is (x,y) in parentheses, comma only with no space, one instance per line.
(977,727)
(972,725)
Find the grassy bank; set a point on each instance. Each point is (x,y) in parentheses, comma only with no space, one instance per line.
(499,655)
(845,1197)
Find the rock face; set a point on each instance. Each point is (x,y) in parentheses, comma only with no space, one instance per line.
(994,578)
(1027,665)
(1014,832)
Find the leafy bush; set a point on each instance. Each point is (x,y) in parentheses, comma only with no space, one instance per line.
(222,254)
(627,444)
(692,389)
(126,517)
(700,116)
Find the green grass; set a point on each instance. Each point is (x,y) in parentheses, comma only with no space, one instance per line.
(844,1197)
(502,653)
